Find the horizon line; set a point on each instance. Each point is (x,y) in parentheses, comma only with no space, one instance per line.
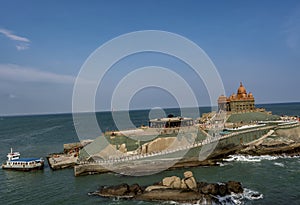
(135,109)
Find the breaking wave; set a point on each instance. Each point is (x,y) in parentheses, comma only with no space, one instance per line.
(240,199)
(233,199)
(254,159)
(279,164)
(248,158)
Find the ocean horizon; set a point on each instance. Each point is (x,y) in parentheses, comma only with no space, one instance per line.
(137,109)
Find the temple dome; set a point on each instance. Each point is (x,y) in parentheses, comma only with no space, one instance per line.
(241,90)
(250,95)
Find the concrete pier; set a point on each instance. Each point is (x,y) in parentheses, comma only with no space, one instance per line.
(69,157)
(62,161)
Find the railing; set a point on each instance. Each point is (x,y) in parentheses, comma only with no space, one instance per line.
(290,125)
(207,141)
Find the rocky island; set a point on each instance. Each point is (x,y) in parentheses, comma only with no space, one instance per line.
(237,127)
(185,190)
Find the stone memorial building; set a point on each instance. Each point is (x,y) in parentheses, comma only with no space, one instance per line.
(240,102)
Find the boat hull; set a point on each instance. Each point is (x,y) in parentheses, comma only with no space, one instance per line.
(24,168)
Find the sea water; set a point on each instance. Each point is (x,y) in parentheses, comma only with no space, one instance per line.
(268,180)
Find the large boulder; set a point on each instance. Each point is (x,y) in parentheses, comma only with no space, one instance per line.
(191,183)
(188,174)
(235,187)
(172,182)
(177,183)
(183,184)
(189,180)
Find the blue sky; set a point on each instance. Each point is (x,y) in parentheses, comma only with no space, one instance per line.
(44,44)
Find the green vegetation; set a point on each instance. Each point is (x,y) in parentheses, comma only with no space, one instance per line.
(251,116)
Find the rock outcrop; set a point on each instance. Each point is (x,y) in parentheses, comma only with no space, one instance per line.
(188,182)
(175,189)
(284,141)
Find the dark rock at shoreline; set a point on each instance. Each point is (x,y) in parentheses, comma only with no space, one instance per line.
(235,187)
(223,189)
(177,195)
(204,192)
(210,189)
(118,190)
(135,189)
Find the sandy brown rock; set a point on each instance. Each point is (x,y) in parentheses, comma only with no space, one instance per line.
(188,174)
(172,182)
(177,183)
(191,183)
(123,148)
(183,184)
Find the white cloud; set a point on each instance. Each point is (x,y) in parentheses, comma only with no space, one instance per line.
(11,72)
(22,47)
(10,35)
(23,43)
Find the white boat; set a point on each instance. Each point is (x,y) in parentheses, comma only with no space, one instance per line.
(14,162)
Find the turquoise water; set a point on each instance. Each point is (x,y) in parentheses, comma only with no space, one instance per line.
(278,180)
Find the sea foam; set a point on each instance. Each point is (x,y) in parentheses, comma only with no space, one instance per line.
(233,199)
(248,158)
